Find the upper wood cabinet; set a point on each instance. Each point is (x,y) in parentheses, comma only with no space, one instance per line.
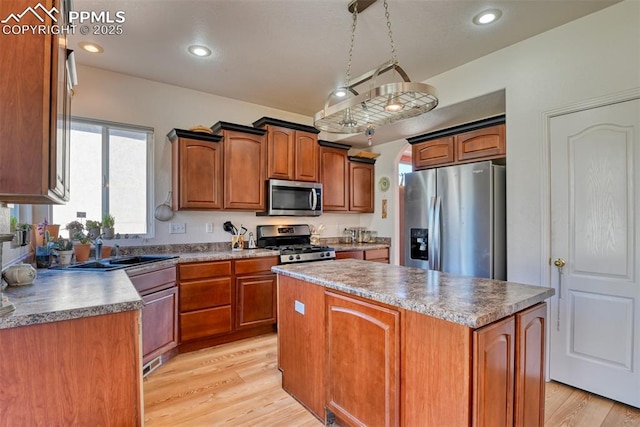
(196,163)
(433,153)
(459,145)
(292,150)
(347,182)
(483,144)
(244,166)
(361,187)
(35,111)
(334,176)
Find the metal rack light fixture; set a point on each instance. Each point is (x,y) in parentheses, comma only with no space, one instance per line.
(377,106)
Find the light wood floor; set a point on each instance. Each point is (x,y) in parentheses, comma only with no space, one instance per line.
(238,384)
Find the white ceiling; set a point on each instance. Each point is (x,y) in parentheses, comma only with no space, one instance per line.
(289,54)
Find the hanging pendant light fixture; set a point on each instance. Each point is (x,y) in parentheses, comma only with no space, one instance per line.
(375,106)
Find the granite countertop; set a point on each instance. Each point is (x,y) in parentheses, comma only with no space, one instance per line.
(468,301)
(62,295)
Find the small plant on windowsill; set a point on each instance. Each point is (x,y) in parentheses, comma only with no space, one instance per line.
(93,228)
(108,221)
(63,249)
(21,232)
(44,251)
(74,227)
(81,246)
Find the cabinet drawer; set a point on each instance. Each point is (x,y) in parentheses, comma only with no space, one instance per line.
(350,254)
(154,279)
(205,293)
(204,323)
(203,270)
(255,265)
(377,254)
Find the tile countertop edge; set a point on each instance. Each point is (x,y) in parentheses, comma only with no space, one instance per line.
(483,318)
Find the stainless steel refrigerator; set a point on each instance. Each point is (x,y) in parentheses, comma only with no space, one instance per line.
(455,220)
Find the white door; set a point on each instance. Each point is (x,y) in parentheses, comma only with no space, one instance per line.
(595,229)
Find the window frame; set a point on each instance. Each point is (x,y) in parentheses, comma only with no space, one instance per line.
(150,165)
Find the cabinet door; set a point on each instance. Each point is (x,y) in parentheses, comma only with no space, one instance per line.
(306,156)
(159,323)
(301,342)
(244,171)
(493,374)
(256,301)
(361,193)
(433,153)
(334,175)
(363,366)
(378,255)
(35,114)
(530,378)
(485,143)
(280,149)
(350,254)
(197,184)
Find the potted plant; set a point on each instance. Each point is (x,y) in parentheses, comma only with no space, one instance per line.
(40,229)
(108,221)
(74,227)
(63,249)
(81,246)
(93,228)
(21,232)
(43,251)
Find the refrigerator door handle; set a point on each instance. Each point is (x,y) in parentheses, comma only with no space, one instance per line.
(435,232)
(431,255)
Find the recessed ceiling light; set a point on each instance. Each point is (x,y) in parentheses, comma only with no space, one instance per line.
(487,16)
(91,47)
(199,50)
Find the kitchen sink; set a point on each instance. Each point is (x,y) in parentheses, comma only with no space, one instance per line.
(116,263)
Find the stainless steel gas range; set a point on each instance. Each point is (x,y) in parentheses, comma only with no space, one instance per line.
(293,242)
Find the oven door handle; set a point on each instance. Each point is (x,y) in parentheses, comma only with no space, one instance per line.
(313,199)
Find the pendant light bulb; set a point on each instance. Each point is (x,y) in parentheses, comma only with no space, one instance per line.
(347,119)
(393,104)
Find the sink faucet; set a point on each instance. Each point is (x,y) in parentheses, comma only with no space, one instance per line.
(98,245)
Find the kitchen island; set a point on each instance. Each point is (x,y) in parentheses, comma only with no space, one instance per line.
(374,344)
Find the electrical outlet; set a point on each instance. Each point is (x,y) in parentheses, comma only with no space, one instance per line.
(177,228)
(209,227)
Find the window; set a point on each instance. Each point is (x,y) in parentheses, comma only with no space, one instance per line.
(403,168)
(111,172)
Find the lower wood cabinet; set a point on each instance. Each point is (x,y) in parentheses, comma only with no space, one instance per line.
(363,361)
(159,293)
(222,301)
(377,255)
(370,364)
(301,342)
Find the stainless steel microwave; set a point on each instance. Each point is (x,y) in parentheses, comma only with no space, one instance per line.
(293,198)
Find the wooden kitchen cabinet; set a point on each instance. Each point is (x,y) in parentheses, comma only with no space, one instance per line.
(292,150)
(350,255)
(482,144)
(361,187)
(301,342)
(472,142)
(363,361)
(377,255)
(436,152)
(205,299)
(244,151)
(493,374)
(334,176)
(160,312)
(530,363)
(196,176)
(35,112)
(256,303)
(224,301)
(347,182)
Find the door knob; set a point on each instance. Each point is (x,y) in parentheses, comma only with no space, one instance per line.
(559,262)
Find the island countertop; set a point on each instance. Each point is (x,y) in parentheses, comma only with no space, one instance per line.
(468,301)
